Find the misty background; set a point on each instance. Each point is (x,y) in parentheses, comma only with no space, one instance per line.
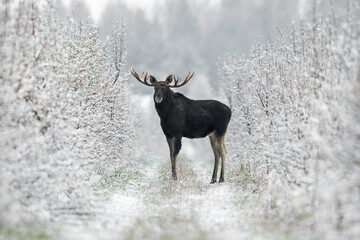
(178,36)
(174,37)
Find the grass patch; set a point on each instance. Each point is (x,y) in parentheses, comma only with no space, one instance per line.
(29,231)
(246,177)
(170,227)
(146,161)
(188,180)
(123,178)
(275,234)
(170,218)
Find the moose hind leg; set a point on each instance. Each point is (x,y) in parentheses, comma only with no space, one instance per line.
(223,155)
(215,146)
(174,146)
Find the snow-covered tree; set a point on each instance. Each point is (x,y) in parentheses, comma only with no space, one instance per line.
(64,119)
(295,125)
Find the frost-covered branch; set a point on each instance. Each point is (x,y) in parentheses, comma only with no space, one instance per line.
(306,138)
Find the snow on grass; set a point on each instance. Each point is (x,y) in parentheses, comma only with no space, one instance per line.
(191,208)
(148,204)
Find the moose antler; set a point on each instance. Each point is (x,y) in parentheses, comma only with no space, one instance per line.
(136,75)
(177,80)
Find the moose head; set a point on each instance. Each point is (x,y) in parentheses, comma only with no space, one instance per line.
(162,90)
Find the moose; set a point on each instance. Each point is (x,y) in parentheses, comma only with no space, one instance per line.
(184,117)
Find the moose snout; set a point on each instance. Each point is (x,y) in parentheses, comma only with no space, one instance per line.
(158,98)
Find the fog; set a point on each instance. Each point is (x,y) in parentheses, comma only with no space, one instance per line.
(175,37)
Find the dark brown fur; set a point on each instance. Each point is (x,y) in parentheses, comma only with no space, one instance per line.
(184,117)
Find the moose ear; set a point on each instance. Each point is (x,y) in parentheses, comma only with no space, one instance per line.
(153,79)
(168,79)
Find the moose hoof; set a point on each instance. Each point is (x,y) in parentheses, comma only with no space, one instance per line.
(174,177)
(221,180)
(213,181)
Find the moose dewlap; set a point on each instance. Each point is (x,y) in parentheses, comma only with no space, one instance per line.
(184,117)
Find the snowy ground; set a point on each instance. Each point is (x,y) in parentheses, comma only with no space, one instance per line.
(163,209)
(152,206)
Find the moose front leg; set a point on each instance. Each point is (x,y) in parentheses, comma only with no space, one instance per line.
(174,146)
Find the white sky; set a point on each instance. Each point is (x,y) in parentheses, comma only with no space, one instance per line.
(96,7)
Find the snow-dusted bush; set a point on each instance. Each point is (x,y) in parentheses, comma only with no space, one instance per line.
(63,110)
(296,122)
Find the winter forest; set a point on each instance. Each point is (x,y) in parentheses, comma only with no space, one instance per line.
(83,155)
